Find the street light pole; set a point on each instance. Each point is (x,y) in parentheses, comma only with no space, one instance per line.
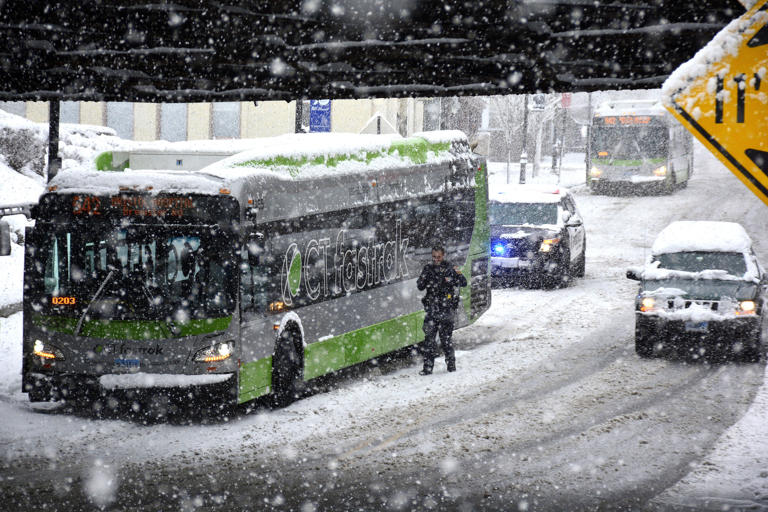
(524,154)
(54,161)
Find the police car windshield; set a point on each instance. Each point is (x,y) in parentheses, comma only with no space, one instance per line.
(517,214)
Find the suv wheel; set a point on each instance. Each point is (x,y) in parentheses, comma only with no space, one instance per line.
(581,266)
(643,344)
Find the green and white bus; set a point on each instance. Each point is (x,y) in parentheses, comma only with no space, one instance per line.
(637,145)
(251,276)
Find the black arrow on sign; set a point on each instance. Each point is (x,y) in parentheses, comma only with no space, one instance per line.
(760,158)
(761,37)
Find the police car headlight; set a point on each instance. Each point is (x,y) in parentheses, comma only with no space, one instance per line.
(215,353)
(660,171)
(47,351)
(595,172)
(548,243)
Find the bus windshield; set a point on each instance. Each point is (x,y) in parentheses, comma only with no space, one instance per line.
(629,142)
(103,271)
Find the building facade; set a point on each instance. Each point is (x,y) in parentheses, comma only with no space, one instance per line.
(226,120)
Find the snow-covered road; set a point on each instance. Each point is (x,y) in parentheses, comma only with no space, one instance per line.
(550,410)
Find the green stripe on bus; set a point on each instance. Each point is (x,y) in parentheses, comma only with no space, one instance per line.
(414,149)
(480,242)
(628,163)
(131,329)
(338,352)
(255,379)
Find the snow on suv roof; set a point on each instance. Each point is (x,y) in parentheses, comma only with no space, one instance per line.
(687,236)
(514,193)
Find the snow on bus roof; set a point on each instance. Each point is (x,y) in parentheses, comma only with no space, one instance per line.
(711,236)
(317,154)
(630,107)
(285,157)
(533,193)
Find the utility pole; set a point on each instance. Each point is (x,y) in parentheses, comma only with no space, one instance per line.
(54,162)
(524,154)
(299,115)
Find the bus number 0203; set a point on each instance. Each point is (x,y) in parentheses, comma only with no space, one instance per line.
(63,301)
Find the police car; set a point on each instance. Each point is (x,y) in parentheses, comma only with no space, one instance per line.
(537,235)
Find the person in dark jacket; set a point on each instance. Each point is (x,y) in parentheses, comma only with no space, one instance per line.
(440,280)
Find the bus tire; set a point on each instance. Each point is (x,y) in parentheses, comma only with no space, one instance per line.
(287,368)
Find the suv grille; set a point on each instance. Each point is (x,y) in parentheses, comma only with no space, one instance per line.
(708,304)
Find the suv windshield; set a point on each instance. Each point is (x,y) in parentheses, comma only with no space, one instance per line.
(103,271)
(522,213)
(697,261)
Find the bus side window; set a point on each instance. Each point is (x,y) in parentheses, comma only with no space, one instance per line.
(254,274)
(246,281)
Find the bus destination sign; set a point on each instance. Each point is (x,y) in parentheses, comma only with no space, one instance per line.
(626,120)
(133,205)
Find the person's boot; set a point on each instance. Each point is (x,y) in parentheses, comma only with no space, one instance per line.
(427,370)
(451,366)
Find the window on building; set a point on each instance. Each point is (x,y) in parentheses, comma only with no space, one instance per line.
(18,108)
(120,118)
(173,121)
(226,120)
(69,112)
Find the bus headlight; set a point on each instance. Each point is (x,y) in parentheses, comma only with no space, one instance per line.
(215,353)
(47,351)
(746,307)
(548,243)
(595,172)
(660,171)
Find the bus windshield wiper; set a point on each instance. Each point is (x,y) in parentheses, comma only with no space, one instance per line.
(95,296)
(169,325)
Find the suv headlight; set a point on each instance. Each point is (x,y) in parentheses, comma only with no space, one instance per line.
(47,351)
(548,243)
(214,353)
(746,307)
(647,304)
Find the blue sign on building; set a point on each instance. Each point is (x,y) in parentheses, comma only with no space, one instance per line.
(319,115)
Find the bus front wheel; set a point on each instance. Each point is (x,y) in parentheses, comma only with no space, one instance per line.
(287,369)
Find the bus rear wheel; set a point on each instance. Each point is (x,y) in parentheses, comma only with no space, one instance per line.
(287,369)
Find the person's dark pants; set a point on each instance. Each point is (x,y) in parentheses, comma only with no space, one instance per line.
(444,328)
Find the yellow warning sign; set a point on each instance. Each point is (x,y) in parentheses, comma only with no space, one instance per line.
(721,96)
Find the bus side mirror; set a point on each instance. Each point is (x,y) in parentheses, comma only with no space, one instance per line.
(5,238)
